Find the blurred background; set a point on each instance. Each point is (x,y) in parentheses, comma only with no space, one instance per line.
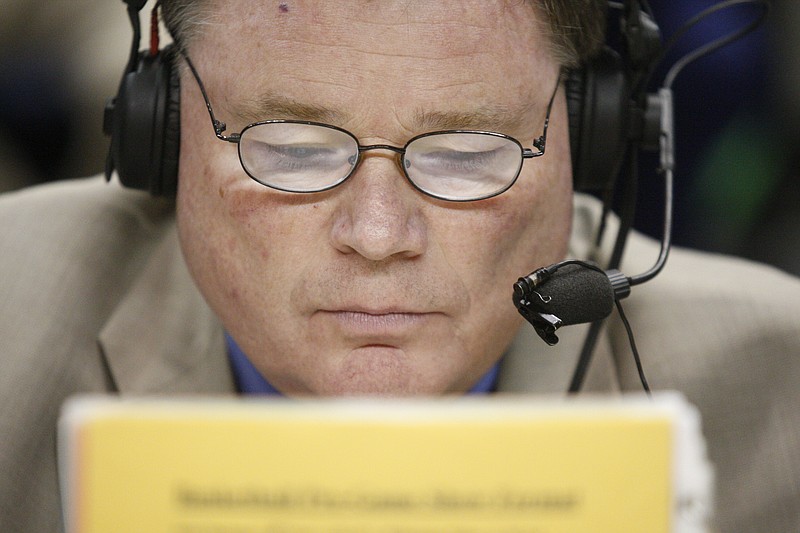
(737,183)
(737,122)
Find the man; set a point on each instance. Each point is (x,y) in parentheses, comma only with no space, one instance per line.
(379,277)
(405,291)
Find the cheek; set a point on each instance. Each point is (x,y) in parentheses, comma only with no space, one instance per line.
(206,234)
(538,216)
(528,226)
(218,226)
(519,231)
(489,248)
(243,242)
(233,230)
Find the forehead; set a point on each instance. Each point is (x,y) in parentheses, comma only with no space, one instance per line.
(356,53)
(309,16)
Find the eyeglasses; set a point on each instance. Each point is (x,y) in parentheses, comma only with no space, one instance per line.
(306,157)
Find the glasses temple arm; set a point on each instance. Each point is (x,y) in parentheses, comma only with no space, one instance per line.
(219,126)
(540,142)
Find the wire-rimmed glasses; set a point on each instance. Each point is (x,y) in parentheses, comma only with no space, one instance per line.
(307,157)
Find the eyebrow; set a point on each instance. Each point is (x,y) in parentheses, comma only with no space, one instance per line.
(490,118)
(273,106)
(494,118)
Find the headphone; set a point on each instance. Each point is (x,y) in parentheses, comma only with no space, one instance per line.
(143,119)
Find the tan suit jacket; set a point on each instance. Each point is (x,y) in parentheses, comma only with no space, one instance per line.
(95,296)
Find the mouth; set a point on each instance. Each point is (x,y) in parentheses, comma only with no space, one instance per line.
(377,327)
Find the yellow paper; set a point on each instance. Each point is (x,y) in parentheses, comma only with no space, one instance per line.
(368,466)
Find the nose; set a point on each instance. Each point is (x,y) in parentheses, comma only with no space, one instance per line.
(379,215)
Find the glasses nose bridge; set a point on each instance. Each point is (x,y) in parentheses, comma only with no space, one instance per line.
(370,147)
(398,153)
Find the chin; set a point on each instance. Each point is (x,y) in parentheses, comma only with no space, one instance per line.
(381,371)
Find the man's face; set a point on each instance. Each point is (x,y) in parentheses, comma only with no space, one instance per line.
(371,287)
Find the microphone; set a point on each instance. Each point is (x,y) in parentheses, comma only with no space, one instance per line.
(575,292)
(567,293)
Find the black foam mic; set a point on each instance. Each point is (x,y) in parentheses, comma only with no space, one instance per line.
(571,292)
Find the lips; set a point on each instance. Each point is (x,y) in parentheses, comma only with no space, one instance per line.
(388,304)
(377,326)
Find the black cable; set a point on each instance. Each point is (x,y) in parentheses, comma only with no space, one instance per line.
(715,44)
(627,211)
(677,67)
(707,48)
(630,183)
(635,350)
(629,192)
(666,237)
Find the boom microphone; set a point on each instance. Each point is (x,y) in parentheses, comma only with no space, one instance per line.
(566,293)
(574,292)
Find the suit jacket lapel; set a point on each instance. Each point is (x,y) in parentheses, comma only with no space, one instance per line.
(163,337)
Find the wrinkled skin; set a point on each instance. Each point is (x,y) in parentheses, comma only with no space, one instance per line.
(371,287)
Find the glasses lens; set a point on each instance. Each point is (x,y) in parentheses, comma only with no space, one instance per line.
(463,165)
(297,157)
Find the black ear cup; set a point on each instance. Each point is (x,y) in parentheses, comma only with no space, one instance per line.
(172,130)
(144,123)
(598,105)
